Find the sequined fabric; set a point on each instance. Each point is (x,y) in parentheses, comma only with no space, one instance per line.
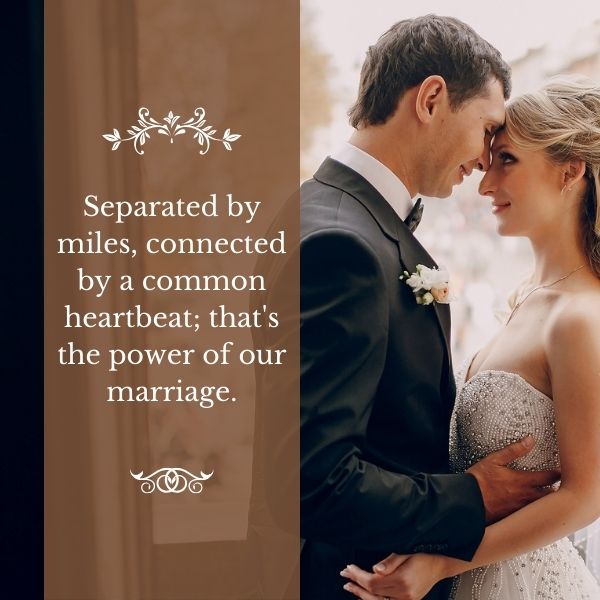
(494,409)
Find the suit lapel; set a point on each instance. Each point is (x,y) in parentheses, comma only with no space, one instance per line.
(337,175)
(412,254)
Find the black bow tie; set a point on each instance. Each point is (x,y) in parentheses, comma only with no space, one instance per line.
(414,216)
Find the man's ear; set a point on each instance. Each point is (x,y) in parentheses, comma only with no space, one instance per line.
(432,93)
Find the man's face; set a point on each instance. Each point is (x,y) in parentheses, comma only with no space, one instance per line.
(461,141)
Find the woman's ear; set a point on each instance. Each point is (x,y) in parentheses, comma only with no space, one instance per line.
(573,173)
(432,94)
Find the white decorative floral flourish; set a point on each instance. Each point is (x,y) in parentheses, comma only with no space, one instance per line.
(170,127)
(428,285)
(171,480)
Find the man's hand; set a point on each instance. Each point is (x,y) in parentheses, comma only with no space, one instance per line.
(505,490)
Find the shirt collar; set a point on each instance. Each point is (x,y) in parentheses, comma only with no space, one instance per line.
(378,175)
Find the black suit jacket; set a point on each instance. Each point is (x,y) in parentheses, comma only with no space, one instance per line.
(377,393)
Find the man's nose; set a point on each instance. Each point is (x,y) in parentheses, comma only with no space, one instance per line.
(484,160)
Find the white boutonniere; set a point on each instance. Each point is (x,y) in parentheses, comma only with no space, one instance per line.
(429,285)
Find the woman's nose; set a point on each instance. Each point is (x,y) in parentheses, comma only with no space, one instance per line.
(486,187)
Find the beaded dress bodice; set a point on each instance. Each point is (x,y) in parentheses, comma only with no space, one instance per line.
(492,410)
(496,408)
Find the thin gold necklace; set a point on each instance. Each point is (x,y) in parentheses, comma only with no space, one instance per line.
(539,287)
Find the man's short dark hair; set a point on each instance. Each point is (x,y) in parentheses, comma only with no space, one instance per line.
(412,50)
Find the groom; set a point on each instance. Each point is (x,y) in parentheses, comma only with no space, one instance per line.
(377,387)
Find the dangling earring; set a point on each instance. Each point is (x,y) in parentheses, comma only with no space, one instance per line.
(564,187)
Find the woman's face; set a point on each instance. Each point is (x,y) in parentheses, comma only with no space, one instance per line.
(525,189)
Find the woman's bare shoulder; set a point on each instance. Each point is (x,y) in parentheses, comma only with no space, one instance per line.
(575,320)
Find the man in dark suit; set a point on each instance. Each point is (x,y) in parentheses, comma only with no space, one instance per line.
(377,388)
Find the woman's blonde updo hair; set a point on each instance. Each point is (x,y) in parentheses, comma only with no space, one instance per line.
(563,119)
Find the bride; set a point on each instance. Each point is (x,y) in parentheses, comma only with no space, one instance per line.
(540,375)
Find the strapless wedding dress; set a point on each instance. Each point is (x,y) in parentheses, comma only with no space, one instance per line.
(492,410)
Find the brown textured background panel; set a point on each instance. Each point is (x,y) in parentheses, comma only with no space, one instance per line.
(104,538)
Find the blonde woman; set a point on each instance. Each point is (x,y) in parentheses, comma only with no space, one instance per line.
(540,375)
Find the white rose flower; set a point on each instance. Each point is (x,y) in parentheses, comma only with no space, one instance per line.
(426,276)
(432,277)
(427,298)
(415,282)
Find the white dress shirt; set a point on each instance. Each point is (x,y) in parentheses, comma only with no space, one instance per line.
(378,175)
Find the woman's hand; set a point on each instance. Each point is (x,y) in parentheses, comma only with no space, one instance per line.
(398,577)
